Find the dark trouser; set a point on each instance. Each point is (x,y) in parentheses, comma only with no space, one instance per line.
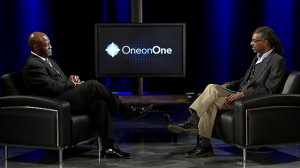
(102,119)
(82,95)
(95,99)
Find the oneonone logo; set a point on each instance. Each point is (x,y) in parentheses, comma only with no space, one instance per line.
(113,50)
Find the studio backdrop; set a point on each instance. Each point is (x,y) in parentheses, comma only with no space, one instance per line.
(218,35)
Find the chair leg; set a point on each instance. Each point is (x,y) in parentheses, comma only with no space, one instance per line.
(5,153)
(60,156)
(99,149)
(244,155)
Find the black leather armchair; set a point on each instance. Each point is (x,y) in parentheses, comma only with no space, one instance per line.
(261,121)
(41,122)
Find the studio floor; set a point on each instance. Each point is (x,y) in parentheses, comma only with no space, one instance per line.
(152,146)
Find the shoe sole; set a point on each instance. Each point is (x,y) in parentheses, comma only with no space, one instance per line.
(198,156)
(179,130)
(114,157)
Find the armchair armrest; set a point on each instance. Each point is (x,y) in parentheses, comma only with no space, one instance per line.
(267,119)
(34,101)
(34,121)
(269,100)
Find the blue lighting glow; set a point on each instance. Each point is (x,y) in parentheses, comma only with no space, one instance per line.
(221,24)
(123,11)
(105,11)
(32,15)
(282,21)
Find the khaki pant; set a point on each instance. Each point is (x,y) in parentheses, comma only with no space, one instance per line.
(207,104)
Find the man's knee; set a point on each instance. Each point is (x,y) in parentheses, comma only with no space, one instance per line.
(92,84)
(89,86)
(211,86)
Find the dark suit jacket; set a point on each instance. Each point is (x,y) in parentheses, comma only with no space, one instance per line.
(267,78)
(42,79)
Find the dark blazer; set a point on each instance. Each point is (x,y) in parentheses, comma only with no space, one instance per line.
(42,79)
(267,78)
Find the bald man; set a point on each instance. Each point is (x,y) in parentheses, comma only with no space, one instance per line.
(42,76)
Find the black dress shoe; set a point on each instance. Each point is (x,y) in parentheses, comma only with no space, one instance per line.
(114,152)
(138,111)
(186,127)
(193,150)
(200,151)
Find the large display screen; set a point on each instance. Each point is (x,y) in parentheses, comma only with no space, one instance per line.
(140,49)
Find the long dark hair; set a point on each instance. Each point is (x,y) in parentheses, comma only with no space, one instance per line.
(269,35)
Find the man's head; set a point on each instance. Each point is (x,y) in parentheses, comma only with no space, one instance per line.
(264,39)
(39,43)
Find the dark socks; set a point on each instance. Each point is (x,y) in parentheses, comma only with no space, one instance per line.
(194,118)
(205,142)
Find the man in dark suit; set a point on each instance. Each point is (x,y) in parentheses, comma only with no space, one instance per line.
(263,77)
(42,76)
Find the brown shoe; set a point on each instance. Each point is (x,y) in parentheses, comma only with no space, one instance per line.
(184,128)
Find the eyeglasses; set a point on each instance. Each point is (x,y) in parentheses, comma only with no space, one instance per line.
(256,40)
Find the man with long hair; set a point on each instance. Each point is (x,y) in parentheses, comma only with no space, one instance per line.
(263,77)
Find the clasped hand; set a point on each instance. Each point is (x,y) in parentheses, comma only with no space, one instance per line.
(75,79)
(233,97)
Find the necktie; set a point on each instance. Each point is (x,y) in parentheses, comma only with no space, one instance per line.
(49,62)
(51,65)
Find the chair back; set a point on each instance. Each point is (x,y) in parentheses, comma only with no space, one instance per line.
(291,84)
(12,84)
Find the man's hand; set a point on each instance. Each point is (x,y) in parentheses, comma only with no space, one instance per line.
(78,83)
(75,79)
(234,97)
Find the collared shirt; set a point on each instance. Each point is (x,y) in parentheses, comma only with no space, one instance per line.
(43,58)
(261,58)
(46,60)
